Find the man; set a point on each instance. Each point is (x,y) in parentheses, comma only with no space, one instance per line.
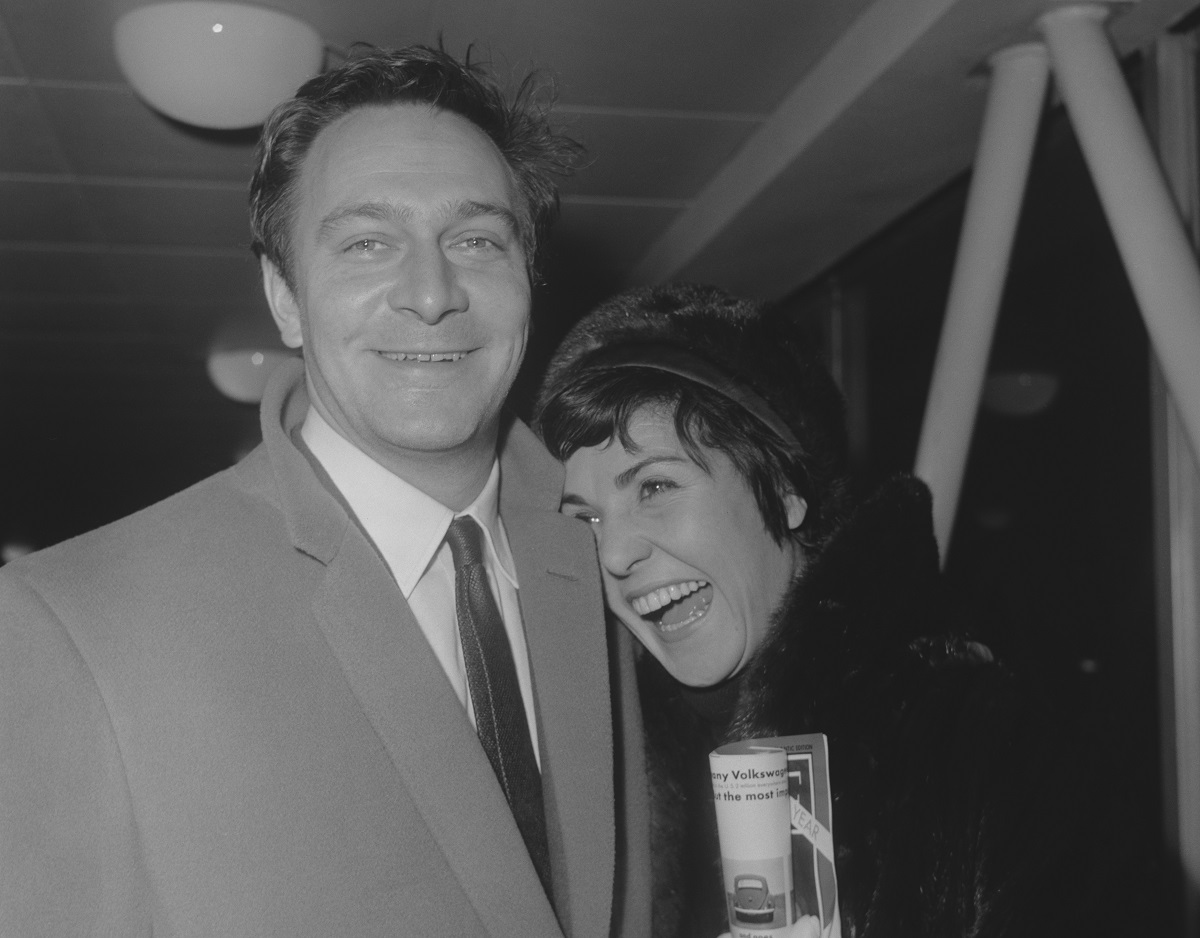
(258,708)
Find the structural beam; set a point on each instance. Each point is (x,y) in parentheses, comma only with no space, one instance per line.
(883,34)
(1175,120)
(1016,95)
(1140,210)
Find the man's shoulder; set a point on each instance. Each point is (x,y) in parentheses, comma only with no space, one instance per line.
(213,510)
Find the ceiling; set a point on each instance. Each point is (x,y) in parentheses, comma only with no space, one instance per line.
(748,143)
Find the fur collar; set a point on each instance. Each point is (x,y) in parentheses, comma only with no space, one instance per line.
(864,613)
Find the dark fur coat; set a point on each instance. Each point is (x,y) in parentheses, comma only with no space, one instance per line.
(967,801)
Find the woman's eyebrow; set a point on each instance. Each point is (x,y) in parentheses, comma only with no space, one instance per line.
(625,479)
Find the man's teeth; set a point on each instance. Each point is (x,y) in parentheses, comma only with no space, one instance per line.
(664,596)
(425,356)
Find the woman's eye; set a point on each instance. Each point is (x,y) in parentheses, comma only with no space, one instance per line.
(589,516)
(651,487)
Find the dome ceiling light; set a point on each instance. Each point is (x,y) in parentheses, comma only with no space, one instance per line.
(215,64)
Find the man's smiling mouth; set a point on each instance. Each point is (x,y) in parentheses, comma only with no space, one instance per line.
(424,356)
(671,608)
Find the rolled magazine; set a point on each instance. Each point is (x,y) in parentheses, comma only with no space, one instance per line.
(750,787)
(775,826)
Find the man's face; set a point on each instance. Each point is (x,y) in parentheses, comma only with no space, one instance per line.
(411,292)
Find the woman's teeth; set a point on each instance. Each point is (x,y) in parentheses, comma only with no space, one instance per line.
(664,596)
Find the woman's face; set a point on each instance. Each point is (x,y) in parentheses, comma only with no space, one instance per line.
(688,564)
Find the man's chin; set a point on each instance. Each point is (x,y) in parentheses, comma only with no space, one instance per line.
(434,443)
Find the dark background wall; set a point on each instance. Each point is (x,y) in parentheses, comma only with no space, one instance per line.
(1051,558)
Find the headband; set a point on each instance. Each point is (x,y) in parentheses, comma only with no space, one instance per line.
(659,356)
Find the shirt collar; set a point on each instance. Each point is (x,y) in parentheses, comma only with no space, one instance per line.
(406,525)
(486,511)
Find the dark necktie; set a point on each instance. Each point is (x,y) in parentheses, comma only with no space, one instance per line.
(495,693)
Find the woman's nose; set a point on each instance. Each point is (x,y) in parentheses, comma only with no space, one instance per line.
(427,284)
(621,547)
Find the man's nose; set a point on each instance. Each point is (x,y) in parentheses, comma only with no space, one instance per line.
(621,547)
(427,284)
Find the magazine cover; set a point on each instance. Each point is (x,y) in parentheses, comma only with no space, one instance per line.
(812,881)
(750,790)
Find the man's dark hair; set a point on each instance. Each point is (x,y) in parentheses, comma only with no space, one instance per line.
(519,128)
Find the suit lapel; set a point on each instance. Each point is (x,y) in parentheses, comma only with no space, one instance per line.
(404,693)
(562,608)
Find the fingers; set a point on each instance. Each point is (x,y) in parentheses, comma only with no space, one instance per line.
(807,926)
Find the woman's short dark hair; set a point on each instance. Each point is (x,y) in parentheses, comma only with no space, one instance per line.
(586,400)
(519,127)
(599,406)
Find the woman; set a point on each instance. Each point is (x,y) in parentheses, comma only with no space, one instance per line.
(707,452)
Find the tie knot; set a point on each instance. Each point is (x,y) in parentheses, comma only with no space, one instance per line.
(466,541)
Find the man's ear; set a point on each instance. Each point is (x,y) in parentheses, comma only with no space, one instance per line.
(284,308)
(797,508)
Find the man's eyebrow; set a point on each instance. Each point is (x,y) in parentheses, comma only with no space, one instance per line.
(460,211)
(376,211)
(464,211)
(569,499)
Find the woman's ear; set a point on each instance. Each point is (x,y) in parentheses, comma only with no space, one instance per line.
(797,508)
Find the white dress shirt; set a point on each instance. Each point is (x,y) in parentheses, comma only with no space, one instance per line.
(409,529)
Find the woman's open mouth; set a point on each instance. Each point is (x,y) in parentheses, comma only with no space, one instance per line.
(674,607)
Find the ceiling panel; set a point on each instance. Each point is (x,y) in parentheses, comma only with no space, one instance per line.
(676,153)
(798,226)
(62,39)
(806,188)
(101,352)
(704,55)
(38,210)
(36,271)
(128,213)
(709,54)
(90,320)
(605,235)
(69,386)
(27,143)
(109,132)
(229,277)
(9,63)
(376,21)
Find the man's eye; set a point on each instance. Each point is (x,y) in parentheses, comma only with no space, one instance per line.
(589,516)
(364,246)
(478,244)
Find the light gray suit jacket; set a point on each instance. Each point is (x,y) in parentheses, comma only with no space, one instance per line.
(218,717)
